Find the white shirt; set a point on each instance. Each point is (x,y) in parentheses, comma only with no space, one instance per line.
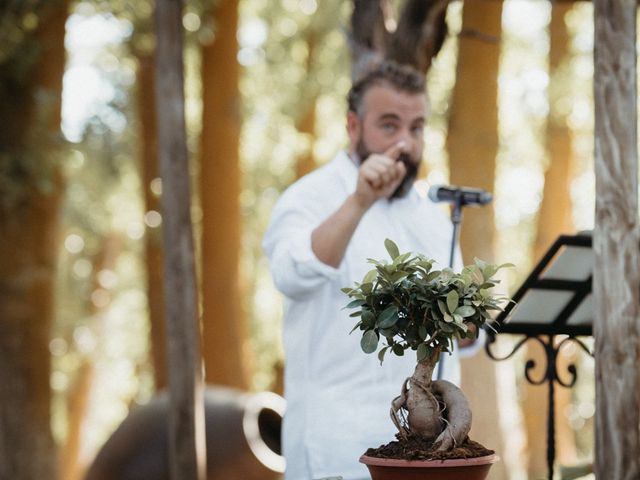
(338,397)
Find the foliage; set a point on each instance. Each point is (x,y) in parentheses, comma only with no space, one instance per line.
(414,306)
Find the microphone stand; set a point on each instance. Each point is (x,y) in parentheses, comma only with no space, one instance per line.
(456,220)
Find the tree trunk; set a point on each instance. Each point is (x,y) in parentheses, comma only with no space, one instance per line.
(187,444)
(616,283)
(28,249)
(473,144)
(306,162)
(153,237)
(554,218)
(223,316)
(555,210)
(70,467)
(306,122)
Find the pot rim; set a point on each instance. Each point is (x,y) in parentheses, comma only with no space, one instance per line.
(451,462)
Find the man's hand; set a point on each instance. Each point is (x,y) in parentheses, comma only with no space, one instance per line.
(380,175)
(467,342)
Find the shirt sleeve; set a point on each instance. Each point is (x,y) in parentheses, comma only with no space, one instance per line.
(296,270)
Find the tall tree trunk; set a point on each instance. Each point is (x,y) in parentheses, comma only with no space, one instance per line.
(187,442)
(28,251)
(555,211)
(306,121)
(554,219)
(70,467)
(473,144)
(616,284)
(153,237)
(223,318)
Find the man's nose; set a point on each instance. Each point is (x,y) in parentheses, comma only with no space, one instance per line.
(407,138)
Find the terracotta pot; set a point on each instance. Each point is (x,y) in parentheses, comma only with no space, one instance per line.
(454,469)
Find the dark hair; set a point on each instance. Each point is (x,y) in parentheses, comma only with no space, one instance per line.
(403,78)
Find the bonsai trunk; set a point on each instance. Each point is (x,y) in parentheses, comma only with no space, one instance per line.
(424,415)
(437,410)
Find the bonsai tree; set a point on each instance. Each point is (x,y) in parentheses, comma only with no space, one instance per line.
(407,304)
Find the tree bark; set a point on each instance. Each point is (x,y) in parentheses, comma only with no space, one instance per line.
(153,238)
(616,284)
(224,329)
(472,143)
(28,249)
(70,467)
(306,122)
(187,446)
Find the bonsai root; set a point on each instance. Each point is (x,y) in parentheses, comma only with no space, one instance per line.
(447,426)
(458,414)
(397,414)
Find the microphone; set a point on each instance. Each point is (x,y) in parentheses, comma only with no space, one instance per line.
(459,195)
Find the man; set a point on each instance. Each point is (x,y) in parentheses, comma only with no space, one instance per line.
(322,230)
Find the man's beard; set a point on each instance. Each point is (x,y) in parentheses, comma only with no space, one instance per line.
(410,164)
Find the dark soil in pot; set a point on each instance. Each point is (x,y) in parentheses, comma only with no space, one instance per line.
(415,448)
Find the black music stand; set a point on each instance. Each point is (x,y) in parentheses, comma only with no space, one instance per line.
(555,299)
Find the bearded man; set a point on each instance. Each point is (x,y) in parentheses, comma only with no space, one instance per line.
(322,230)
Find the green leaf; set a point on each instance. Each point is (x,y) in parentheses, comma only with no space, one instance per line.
(388,317)
(355,303)
(479,263)
(401,258)
(465,311)
(368,319)
(346,290)
(398,350)
(370,276)
(422,332)
(452,300)
(426,264)
(392,248)
(477,276)
(443,307)
(422,352)
(381,354)
(489,271)
(445,327)
(399,275)
(431,276)
(369,341)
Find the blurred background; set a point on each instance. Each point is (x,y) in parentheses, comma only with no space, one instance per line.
(81,293)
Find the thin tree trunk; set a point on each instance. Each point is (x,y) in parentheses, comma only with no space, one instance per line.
(554,219)
(187,445)
(153,237)
(28,249)
(555,210)
(616,283)
(307,125)
(473,145)
(224,323)
(70,467)
(306,122)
